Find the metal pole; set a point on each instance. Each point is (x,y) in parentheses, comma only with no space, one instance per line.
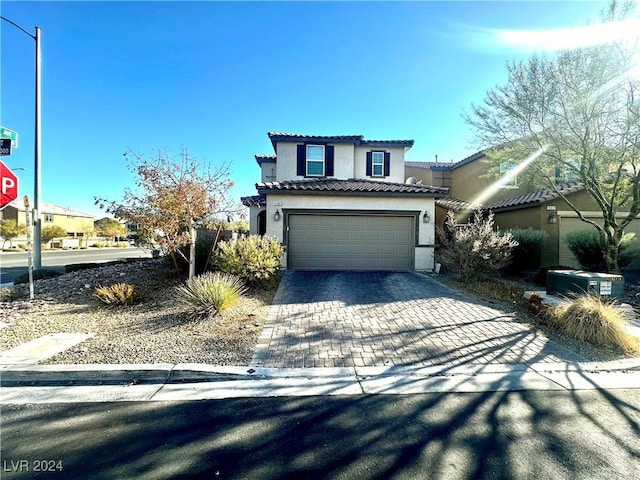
(38,159)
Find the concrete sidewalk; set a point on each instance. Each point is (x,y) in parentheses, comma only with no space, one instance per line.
(164,382)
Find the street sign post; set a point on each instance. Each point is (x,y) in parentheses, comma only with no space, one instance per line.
(10,134)
(8,185)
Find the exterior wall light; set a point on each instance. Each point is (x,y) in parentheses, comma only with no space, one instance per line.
(276,216)
(553,218)
(426,218)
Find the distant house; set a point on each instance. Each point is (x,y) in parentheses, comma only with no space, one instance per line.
(75,223)
(514,203)
(341,203)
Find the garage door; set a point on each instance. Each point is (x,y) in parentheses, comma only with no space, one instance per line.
(350,242)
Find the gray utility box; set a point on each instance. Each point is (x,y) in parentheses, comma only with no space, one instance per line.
(580,282)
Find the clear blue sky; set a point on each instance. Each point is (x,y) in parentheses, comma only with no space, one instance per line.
(216,77)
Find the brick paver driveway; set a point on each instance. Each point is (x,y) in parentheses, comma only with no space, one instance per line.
(339,319)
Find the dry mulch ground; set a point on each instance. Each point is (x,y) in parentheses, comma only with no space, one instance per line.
(157,329)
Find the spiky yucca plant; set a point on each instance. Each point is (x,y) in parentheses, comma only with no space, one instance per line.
(116,295)
(591,319)
(211,292)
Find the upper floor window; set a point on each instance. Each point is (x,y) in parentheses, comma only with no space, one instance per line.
(48,217)
(378,164)
(508,176)
(315,160)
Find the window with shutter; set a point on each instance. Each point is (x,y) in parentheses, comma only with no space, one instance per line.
(378,164)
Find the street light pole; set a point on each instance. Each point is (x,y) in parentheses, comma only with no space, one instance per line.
(37,181)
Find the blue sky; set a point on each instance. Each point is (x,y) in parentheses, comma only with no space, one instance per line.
(215,77)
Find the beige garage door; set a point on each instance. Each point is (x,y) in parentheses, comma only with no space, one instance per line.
(570,224)
(350,242)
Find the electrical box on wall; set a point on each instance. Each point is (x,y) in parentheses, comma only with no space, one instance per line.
(580,282)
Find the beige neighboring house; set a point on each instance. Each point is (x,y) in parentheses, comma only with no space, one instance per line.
(341,203)
(75,223)
(515,204)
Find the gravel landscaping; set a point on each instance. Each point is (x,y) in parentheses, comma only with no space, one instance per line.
(157,329)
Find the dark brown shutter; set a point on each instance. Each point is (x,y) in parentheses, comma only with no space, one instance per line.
(301,169)
(369,161)
(328,161)
(387,163)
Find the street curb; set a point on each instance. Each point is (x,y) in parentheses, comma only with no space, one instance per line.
(195,372)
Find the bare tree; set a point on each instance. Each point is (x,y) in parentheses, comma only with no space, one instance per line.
(577,114)
(172,199)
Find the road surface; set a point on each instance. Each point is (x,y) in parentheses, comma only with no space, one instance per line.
(13,264)
(521,435)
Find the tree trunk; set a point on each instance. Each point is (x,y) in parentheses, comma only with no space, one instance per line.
(192,251)
(610,248)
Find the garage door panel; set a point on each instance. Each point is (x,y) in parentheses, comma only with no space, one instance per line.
(350,242)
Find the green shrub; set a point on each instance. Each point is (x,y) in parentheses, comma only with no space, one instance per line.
(122,244)
(475,249)
(38,274)
(118,294)
(99,244)
(528,253)
(586,248)
(255,259)
(211,292)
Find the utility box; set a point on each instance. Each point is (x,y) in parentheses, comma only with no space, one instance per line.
(580,282)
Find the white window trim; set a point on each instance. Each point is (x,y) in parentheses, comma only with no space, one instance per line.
(307,160)
(513,183)
(374,164)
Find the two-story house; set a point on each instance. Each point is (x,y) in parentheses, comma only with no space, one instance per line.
(341,203)
(515,204)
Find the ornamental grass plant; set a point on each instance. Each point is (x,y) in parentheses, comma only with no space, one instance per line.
(118,294)
(591,319)
(211,293)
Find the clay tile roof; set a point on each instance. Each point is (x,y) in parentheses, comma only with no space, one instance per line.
(350,186)
(455,204)
(264,158)
(356,139)
(254,201)
(430,165)
(537,197)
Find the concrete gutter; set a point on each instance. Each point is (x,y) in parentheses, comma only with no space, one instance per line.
(173,382)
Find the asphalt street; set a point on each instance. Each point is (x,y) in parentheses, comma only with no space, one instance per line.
(522,435)
(13,264)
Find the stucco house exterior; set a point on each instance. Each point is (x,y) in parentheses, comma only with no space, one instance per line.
(515,204)
(74,222)
(341,203)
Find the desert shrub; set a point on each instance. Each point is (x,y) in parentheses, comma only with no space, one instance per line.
(592,319)
(99,244)
(38,274)
(528,252)
(585,247)
(23,246)
(122,244)
(474,249)
(118,294)
(9,294)
(211,292)
(255,259)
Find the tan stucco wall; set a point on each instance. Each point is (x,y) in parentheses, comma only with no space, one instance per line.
(268,172)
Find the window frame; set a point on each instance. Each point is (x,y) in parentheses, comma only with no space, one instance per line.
(505,168)
(48,217)
(315,161)
(375,164)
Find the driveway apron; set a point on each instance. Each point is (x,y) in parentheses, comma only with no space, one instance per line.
(344,319)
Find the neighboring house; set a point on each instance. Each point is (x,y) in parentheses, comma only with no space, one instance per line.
(75,223)
(341,203)
(515,204)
